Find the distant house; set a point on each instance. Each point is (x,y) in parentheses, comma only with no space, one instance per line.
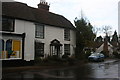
(28,33)
(101,48)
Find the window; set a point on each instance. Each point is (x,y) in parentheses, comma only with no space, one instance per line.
(39,49)
(2,44)
(1,47)
(7,24)
(39,32)
(67,49)
(9,47)
(67,34)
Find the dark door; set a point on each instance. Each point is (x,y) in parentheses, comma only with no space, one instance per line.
(57,50)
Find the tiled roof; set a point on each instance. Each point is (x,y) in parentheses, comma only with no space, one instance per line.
(98,44)
(23,11)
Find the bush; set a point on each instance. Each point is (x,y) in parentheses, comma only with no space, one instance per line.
(106,54)
(87,54)
(55,60)
(38,59)
(116,54)
(65,56)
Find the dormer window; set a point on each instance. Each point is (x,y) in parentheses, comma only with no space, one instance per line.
(8,24)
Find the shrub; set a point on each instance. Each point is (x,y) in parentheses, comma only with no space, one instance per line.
(88,53)
(116,54)
(105,53)
(65,56)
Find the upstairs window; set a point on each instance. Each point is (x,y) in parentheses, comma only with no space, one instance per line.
(67,34)
(8,24)
(39,31)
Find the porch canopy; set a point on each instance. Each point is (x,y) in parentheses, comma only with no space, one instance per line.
(55,48)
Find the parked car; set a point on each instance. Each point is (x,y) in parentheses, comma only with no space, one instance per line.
(96,57)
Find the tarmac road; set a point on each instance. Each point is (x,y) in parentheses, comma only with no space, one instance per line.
(107,70)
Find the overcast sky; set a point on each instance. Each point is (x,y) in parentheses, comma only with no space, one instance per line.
(98,12)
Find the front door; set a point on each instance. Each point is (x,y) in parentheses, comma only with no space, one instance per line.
(57,50)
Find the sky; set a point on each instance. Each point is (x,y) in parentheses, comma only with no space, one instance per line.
(98,12)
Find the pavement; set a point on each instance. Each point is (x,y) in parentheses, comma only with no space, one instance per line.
(110,60)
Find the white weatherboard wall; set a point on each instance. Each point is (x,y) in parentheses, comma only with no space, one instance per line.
(73,41)
(52,33)
(29,29)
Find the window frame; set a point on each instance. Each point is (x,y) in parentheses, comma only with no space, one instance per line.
(67,34)
(36,36)
(67,52)
(12,22)
(39,54)
(8,52)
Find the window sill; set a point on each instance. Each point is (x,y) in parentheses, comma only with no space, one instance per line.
(11,59)
(39,37)
(66,40)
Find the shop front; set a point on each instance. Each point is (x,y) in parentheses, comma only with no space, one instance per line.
(12,46)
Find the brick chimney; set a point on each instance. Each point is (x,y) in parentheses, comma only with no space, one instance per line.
(105,47)
(43,5)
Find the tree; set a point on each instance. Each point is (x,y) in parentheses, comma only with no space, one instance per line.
(84,36)
(114,37)
(107,30)
(96,30)
(99,39)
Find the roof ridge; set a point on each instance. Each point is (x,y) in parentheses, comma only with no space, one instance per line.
(37,15)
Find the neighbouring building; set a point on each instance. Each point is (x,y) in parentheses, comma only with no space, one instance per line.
(29,32)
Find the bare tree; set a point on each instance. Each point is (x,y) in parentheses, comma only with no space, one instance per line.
(107,30)
(96,30)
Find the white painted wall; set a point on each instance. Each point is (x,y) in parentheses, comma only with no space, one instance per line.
(73,41)
(28,28)
(52,33)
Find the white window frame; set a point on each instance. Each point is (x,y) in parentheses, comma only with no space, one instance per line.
(39,31)
(67,34)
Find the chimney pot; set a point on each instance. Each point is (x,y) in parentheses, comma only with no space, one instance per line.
(43,5)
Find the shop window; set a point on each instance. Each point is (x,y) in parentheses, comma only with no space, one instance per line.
(1,48)
(2,44)
(9,47)
(12,50)
(16,49)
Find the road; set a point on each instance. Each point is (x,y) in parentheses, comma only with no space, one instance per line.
(107,70)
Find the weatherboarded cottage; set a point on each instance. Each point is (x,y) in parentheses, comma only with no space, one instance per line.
(29,32)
